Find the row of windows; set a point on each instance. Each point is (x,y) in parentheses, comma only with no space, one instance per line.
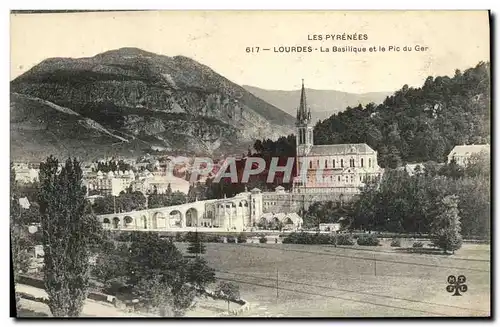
(347,178)
(233,205)
(340,163)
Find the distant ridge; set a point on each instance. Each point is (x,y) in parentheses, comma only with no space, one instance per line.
(323,103)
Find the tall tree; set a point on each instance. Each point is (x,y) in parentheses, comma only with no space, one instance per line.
(196,245)
(228,291)
(445,229)
(69,234)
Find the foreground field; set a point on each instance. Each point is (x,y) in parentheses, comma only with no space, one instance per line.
(291,280)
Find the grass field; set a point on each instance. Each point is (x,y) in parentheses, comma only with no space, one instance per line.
(324,281)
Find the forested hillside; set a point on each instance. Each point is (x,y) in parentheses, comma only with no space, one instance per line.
(418,124)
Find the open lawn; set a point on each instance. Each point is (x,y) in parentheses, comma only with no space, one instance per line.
(324,281)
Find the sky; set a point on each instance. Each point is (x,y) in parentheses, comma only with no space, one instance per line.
(219,39)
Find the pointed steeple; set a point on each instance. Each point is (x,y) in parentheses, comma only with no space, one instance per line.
(303,112)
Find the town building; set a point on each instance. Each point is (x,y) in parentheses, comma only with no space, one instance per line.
(462,153)
(110,183)
(331,168)
(26,172)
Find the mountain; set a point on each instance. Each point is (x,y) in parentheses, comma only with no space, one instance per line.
(323,103)
(127,101)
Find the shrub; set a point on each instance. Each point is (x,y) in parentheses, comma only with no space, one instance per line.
(344,239)
(418,245)
(180,237)
(369,240)
(396,242)
(231,239)
(263,239)
(242,238)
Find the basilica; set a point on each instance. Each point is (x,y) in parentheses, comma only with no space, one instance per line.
(331,168)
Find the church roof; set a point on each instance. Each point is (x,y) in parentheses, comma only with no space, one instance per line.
(335,149)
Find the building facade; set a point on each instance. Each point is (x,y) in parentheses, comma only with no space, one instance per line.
(332,168)
(462,153)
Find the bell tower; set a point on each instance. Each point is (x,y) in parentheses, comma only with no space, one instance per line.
(304,129)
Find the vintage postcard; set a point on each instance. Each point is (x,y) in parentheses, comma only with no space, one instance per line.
(245,164)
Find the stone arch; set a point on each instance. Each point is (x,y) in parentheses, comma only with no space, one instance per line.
(106,221)
(159,220)
(116,222)
(288,221)
(128,221)
(175,219)
(192,217)
(144,222)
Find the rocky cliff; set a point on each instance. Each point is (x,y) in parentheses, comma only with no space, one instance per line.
(133,100)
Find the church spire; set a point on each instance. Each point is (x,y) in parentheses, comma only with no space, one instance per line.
(303,112)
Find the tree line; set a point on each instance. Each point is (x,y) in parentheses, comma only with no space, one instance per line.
(145,267)
(418,124)
(413,125)
(411,204)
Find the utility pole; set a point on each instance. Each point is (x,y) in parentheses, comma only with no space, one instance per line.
(277,285)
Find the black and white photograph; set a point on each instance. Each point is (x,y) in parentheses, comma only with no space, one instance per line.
(250,164)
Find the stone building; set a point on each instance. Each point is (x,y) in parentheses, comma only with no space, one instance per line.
(462,153)
(331,168)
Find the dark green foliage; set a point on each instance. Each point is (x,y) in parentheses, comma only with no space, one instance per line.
(113,166)
(418,245)
(166,200)
(263,239)
(409,204)
(368,240)
(396,242)
(146,260)
(229,291)
(242,238)
(199,273)
(344,239)
(19,240)
(196,245)
(446,228)
(418,124)
(70,231)
(325,212)
(125,202)
(318,238)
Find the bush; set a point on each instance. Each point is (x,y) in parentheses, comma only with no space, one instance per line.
(418,245)
(263,239)
(231,239)
(344,239)
(180,237)
(368,240)
(396,242)
(210,238)
(242,238)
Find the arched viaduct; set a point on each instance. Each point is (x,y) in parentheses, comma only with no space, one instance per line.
(165,218)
